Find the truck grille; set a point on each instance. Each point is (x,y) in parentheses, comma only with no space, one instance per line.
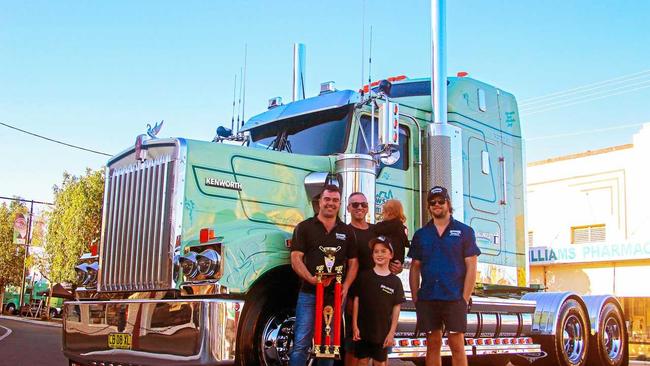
(136,248)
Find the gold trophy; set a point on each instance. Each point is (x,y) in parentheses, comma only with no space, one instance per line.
(327,314)
(330,258)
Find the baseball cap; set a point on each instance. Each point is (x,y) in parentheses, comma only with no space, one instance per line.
(381,239)
(438,191)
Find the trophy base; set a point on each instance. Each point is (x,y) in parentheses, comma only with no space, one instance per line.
(331,352)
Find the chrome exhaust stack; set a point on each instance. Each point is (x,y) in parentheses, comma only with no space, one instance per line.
(444,148)
(356,173)
(299,60)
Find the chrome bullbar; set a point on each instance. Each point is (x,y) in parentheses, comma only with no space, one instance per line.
(160,332)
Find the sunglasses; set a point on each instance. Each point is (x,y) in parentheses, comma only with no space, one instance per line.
(359,204)
(440,202)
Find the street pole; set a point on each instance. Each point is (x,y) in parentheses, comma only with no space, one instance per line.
(29,240)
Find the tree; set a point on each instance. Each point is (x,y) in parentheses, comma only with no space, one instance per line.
(74,223)
(11,255)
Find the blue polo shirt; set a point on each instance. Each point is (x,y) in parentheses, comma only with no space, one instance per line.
(443,259)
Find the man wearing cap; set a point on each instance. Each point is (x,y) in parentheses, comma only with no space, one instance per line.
(309,237)
(445,255)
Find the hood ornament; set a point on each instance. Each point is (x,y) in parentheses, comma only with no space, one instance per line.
(152,132)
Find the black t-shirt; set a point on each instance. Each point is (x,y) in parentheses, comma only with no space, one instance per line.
(377,296)
(310,236)
(362,238)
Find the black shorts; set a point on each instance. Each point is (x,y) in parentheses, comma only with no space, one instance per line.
(449,316)
(376,351)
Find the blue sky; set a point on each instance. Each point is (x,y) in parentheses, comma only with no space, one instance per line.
(95,73)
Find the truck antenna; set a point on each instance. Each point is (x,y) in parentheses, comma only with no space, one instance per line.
(239,102)
(243,108)
(370,62)
(234,98)
(363,40)
(372,105)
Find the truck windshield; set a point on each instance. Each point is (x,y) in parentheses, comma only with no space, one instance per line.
(318,133)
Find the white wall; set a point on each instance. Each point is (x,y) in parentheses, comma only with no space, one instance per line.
(592,189)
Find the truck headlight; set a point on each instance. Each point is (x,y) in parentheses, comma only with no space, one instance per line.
(82,273)
(177,267)
(188,265)
(92,269)
(208,262)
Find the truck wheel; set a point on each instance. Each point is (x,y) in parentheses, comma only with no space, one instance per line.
(266,328)
(11,309)
(53,313)
(569,345)
(609,345)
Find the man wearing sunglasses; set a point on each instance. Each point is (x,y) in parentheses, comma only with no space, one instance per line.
(445,255)
(363,233)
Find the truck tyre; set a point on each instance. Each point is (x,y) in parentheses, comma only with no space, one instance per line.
(609,345)
(10,309)
(53,313)
(571,341)
(265,335)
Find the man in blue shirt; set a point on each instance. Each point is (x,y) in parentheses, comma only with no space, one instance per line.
(444,253)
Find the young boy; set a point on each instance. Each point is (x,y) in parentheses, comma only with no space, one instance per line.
(376,306)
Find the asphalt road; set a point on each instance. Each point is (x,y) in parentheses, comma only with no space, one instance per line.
(30,344)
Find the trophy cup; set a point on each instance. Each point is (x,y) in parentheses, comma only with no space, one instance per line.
(331,347)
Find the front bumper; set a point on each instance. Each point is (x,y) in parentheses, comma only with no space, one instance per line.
(163,332)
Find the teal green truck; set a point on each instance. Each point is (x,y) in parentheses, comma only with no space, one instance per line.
(193,266)
(11,298)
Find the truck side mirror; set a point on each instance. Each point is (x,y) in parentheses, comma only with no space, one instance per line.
(389,133)
(390,156)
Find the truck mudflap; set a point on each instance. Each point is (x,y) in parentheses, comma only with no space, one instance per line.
(151,332)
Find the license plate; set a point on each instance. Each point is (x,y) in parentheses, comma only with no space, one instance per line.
(119,340)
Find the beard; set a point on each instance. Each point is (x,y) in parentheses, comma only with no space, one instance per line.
(440,214)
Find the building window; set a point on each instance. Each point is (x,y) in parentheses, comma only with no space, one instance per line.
(637,317)
(588,234)
(530,238)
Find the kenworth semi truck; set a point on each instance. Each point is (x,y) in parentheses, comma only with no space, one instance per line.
(194,262)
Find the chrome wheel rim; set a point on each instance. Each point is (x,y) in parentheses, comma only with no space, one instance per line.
(573,337)
(277,339)
(612,338)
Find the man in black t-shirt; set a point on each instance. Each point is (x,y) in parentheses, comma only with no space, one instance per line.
(309,237)
(358,209)
(363,233)
(376,306)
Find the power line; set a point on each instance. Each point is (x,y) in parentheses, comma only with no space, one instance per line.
(25,200)
(585,132)
(586,95)
(578,101)
(586,87)
(55,141)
